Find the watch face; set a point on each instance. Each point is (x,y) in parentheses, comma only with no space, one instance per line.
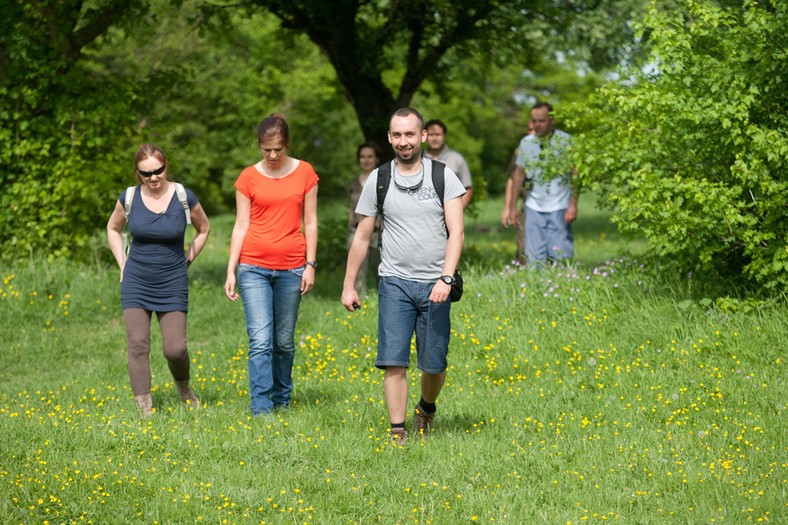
(446,279)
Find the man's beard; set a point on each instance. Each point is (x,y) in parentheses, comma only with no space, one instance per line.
(415,153)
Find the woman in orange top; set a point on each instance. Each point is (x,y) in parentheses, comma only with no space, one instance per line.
(274,199)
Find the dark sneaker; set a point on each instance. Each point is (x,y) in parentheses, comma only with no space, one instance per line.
(398,436)
(422,422)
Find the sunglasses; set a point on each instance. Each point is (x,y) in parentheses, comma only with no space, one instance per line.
(410,189)
(157,171)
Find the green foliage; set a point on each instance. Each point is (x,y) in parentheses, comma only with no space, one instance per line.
(384,51)
(486,107)
(212,75)
(70,174)
(554,160)
(332,238)
(85,82)
(692,148)
(60,129)
(194,81)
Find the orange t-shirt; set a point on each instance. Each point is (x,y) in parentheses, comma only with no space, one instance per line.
(275,239)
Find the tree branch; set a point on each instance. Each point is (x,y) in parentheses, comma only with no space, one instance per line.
(101,21)
(463,31)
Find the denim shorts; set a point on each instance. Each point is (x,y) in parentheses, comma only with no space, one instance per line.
(404,308)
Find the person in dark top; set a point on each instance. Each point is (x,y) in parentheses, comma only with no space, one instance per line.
(153,273)
(368,155)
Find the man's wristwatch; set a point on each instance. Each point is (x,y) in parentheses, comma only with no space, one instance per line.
(313,264)
(448,279)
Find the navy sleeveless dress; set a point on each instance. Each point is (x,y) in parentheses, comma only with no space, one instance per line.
(154,277)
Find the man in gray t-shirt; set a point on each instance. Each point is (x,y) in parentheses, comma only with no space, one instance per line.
(421,246)
(438,150)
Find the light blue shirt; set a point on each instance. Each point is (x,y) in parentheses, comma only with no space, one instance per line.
(537,157)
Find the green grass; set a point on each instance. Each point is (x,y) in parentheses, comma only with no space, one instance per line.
(603,392)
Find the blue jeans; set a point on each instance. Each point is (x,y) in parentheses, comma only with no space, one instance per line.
(404,307)
(271,299)
(547,235)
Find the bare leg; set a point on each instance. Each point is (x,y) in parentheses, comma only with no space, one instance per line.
(395,392)
(431,385)
(519,235)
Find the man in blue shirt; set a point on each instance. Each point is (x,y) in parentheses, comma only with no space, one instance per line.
(551,200)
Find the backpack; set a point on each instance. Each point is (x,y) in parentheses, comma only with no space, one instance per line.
(439,183)
(179,190)
(129,198)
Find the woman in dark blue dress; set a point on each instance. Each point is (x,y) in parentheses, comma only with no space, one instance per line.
(153,273)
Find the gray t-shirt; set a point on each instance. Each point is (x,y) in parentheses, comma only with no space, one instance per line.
(456,162)
(414,227)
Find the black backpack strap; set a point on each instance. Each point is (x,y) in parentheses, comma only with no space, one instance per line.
(382,187)
(438,181)
(384,178)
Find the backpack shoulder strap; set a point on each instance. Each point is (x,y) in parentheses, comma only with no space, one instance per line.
(439,183)
(127,200)
(384,179)
(438,180)
(382,187)
(181,191)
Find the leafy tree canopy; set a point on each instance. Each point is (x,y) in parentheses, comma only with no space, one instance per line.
(84,82)
(383,51)
(57,125)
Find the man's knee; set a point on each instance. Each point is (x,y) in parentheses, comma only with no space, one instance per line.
(395,372)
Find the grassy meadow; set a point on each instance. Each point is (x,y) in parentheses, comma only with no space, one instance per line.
(604,392)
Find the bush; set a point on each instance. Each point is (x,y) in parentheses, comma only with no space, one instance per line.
(64,132)
(61,175)
(691,150)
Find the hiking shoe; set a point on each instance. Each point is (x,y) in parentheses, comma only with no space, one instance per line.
(422,421)
(398,436)
(144,405)
(187,394)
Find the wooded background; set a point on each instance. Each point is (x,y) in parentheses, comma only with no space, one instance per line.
(678,106)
